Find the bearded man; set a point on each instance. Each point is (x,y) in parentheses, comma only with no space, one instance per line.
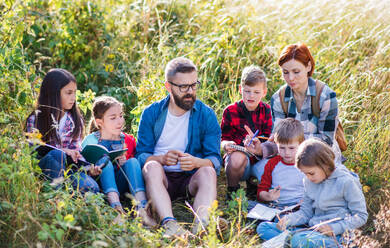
(178,148)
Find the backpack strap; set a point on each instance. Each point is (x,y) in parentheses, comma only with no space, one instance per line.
(315,100)
(282,93)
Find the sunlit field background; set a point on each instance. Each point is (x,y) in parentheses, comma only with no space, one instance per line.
(120,48)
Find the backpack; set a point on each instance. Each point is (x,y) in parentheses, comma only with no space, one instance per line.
(315,107)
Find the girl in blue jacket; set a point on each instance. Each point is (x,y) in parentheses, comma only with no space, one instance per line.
(332,195)
(124,174)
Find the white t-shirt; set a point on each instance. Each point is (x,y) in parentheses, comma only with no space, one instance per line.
(173,137)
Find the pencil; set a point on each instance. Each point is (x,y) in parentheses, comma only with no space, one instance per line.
(261,137)
(250,142)
(277,216)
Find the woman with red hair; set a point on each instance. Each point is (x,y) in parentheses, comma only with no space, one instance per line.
(304,98)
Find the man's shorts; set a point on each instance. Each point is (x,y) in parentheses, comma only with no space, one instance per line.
(178,183)
(247,172)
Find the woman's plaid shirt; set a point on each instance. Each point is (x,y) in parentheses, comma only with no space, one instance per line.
(323,127)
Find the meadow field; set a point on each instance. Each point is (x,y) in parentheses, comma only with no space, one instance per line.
(120,48)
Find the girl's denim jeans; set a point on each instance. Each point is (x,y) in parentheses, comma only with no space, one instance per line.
(112,178)
(300,239)
(53,165)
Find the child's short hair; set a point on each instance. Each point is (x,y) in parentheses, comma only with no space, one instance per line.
(99,107)
(252,75)
(314,152)
(289,130)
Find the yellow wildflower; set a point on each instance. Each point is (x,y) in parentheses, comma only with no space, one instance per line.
(60,205)
(69,218)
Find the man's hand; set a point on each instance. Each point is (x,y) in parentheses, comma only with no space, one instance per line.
(75,155)
(282,224)
(95,170)
(171,157)
(188,162)
(325,229)
(255,146)
(226,146)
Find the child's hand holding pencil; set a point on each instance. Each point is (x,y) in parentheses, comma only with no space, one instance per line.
(252,142)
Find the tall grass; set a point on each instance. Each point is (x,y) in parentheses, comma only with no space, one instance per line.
(120,48)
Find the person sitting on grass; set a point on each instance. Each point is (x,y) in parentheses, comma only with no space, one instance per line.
(124,174)
(300,95)
(179,148)
(333,203)
(249,111)
(58,119)
(282,183)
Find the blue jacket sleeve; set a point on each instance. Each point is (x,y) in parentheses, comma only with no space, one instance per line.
(145,138)
(212,141)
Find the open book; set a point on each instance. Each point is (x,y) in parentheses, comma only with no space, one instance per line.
(262,212)
(42,150)
(93,152)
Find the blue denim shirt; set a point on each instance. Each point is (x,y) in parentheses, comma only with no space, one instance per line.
(204,132)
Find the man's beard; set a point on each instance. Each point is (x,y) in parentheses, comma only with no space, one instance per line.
(184,104)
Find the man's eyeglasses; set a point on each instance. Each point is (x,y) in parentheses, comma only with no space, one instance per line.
(186,87)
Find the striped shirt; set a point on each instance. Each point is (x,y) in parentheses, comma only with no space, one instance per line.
(323,127)
(64,129)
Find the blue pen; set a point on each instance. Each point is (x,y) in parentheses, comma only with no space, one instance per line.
(254,136)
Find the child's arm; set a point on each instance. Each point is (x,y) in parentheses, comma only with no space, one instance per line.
(225,144)
(263,192)
(303,215)
(356,204)
(74,154)
(271,195)
(267,123)
(226,129)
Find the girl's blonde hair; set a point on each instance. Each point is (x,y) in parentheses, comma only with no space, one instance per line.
(314,152)
(99,108)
